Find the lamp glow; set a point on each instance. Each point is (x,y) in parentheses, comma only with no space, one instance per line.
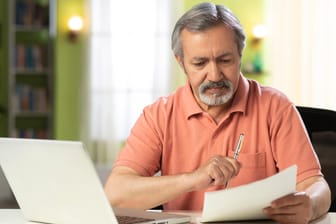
(259,31)
(75,23)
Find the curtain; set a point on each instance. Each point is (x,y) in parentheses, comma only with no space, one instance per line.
(130,67)
(302,48)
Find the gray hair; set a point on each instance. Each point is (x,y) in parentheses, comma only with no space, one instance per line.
(202,17)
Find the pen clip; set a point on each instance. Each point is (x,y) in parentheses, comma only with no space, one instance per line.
(239,145)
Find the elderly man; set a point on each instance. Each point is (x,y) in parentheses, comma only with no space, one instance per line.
(190,135)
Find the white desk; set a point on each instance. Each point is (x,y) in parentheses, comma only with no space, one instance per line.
(14,216)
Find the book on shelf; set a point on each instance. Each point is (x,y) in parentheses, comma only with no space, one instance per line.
(31,99)
(30,57)
(30,133)
(30,13)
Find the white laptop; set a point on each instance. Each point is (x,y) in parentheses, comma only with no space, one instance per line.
(56,182)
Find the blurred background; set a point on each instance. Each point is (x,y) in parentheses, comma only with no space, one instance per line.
(84,70)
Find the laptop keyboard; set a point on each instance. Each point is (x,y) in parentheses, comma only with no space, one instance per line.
(130,219)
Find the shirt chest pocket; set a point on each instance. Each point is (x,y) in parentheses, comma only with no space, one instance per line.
(253,168)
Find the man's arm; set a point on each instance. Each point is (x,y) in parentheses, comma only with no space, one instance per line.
(311,201)
(319,193)
(126,188)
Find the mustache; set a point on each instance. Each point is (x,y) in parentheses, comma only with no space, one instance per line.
(219,84)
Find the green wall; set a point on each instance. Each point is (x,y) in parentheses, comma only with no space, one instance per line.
(71,60)
(70,72)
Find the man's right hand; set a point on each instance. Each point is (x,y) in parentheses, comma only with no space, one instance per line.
(127,188)
(218,170)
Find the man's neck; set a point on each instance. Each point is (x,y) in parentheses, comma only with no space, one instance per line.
(216,112)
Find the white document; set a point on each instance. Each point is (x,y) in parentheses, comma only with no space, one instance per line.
(247,201)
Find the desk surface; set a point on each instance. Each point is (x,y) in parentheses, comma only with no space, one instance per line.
(14,216)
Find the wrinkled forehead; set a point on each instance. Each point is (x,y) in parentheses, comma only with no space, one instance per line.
(219,40)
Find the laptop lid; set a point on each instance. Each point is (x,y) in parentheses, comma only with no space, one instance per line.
(55,182)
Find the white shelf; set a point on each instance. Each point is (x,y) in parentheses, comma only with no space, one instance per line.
(30,78)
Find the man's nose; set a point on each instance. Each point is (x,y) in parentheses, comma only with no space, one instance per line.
(214,73)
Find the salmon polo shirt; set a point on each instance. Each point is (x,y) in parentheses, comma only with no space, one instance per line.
(176,136)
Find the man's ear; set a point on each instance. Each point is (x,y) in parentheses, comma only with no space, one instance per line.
(179,60)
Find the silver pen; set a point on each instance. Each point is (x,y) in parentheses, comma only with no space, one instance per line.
(236,152)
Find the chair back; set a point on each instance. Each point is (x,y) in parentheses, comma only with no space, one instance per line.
(321,127)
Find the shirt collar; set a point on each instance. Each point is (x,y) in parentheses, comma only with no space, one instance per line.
(239,102)
(191,107)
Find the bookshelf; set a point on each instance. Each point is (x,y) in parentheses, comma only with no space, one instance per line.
(3,68)
(31,31)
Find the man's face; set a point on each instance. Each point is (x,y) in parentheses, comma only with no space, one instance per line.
(212,64)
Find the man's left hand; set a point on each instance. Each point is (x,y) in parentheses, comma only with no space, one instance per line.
(293,208)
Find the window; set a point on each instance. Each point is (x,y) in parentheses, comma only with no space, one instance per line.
(302,47)
(130,66)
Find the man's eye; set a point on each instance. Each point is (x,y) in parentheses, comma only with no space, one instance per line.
(226,61)
(198,64)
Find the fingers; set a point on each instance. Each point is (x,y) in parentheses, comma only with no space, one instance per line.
(293,208)
(290,200)
(215,172)
(221,169)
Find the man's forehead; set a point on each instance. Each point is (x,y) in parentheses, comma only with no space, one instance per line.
(219,41)
(218,56)
(217,34)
